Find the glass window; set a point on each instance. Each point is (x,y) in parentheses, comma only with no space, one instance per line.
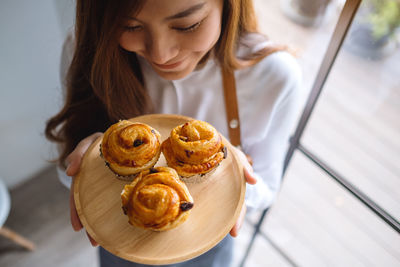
(318,223)
(355,127)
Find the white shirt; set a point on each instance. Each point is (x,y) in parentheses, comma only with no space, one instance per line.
(269,98)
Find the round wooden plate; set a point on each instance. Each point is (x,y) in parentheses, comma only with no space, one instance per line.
(217,204)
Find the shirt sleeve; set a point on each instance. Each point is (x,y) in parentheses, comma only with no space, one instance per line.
(64,178)
(268,149)
(66,59)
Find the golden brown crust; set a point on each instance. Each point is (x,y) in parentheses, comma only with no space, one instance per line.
(193,148)
(129,148)
(157,200)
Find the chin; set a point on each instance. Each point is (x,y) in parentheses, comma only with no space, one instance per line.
(175,75)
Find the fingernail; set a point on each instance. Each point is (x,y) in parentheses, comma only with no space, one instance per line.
(248,172)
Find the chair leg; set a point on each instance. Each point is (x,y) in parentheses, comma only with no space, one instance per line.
(18,239)
(255,233)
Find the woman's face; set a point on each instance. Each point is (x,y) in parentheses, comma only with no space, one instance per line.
(173,35)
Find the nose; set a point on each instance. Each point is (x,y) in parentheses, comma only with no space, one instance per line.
(161,48)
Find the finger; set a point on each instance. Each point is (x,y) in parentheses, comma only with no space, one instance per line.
(249,176)
(75,221)
(235,230)
(92,241)
(244,160)
(74,159)
(249,159)
(247,168)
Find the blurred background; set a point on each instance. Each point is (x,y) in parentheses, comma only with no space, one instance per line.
(354,128)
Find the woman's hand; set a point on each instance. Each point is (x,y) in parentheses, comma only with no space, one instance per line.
(250,179)
(74,162)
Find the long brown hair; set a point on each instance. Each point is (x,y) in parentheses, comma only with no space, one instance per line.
(104,82)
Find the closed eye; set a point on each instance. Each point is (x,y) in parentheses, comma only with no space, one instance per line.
(190,28)
(133,28)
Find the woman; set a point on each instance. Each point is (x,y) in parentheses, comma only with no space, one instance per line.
(152,56)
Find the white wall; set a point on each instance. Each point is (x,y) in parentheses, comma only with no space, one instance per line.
(31,36)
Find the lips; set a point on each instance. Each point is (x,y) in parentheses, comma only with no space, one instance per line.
(168,66)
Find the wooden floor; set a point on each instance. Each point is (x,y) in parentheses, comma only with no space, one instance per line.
(355,129)
(40,212)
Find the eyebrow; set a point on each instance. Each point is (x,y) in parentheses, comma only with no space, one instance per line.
(186,12)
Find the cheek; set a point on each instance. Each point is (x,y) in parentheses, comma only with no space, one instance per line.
(130,43)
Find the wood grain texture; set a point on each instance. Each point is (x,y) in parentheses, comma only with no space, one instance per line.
(218,201)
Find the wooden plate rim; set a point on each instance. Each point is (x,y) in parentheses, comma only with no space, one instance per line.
(153,261)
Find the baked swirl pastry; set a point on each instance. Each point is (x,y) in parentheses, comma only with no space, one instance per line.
(194,149)
(157,200)
(130,147)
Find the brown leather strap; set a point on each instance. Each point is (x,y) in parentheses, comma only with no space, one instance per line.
(231,106)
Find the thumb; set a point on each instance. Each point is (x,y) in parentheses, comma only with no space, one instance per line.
(75,158)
